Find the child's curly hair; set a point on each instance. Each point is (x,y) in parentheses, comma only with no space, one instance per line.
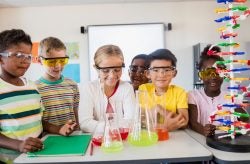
(205,56)
(12,37)
(144,57)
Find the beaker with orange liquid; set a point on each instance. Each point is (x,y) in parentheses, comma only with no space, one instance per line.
(160,113)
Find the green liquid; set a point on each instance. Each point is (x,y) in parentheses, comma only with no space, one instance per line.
(112,147)
(143,139)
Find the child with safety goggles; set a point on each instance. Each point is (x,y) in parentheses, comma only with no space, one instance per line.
(60,94)
(161,71)
(102,95)
(203,102)
(20,103)
(137,70)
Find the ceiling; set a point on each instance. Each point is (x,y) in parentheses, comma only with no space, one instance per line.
(29,3)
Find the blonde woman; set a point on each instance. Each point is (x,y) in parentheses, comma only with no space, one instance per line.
(100,96)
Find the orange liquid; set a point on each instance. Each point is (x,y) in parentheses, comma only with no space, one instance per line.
(162,134)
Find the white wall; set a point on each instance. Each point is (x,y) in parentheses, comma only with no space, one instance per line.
(192,23)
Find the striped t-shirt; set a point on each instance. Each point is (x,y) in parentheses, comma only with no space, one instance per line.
(60,99)
(20,110)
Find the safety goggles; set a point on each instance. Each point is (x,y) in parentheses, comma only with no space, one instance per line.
(208,73)
(164,70)
(137,69)
(52,62)
(18,55)
(108,70)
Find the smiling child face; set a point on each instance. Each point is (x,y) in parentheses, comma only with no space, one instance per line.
(162,77)
(212,83)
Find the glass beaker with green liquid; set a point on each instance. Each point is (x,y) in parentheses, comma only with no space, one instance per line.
(112,141)
(143,131)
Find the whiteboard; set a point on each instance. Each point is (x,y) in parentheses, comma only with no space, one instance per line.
(133,39)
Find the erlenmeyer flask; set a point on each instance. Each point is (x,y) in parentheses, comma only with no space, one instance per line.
(112,141)
(124,123)
(143,131)
(98,133)
(98,136)
(160,112)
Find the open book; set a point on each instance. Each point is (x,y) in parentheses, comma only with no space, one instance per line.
(63,146)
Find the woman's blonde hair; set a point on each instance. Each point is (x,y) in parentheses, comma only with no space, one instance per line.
(107,51)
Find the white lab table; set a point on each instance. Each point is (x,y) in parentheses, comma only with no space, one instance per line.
(179,148)
(221,157)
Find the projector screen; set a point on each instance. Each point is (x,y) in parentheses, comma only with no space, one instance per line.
(133,39)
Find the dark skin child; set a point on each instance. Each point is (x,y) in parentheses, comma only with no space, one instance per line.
(212,87)
(138,78)
(12,68)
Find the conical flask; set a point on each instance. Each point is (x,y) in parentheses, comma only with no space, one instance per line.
(160,113)
(143,130)
(124,123)
(112,141)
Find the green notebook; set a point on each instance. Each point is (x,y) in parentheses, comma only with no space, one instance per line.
(63,146)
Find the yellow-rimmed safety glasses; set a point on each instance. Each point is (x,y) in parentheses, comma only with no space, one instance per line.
(18,55)
(52,62)
(108,70)
(208,73)
(164,70)
(137,69)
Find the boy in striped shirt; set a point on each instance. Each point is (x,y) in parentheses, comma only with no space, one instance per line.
(60,95)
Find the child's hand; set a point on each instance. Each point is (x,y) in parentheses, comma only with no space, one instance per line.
(183,121)
(209,130)
(30,145)
(175,121)
(68,128)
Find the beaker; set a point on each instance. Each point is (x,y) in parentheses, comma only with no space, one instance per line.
(98,133)
(160,113)
(143,131)
(98,136)
(112,141)
(124,124)
(124,127)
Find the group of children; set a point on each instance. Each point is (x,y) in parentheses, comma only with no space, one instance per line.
(51,104)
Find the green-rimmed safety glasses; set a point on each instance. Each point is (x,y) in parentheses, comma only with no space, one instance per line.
(164,70)
(107,70)
(208,73)
(18,55)
(52,62)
